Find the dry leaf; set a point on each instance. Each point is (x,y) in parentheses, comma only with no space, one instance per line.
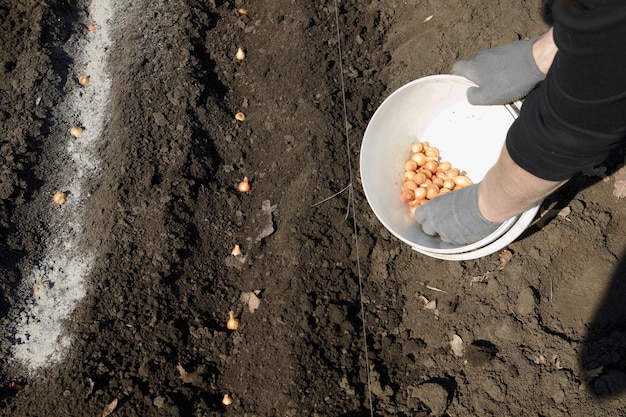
(456,344)
(253,303)
(184,375)
(109,408)
(481,278)
(587,375)
(505,258)
(190,377)
(539,359)
(90,390)
(565,211)
(251,299)
(430,305)
(434,289)
(619,189)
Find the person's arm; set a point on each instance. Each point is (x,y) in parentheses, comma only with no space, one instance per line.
(570,122)
(544,49)
(507,190)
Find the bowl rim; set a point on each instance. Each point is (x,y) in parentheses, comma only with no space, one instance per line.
(525,219)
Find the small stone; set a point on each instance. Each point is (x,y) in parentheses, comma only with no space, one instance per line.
(159,402)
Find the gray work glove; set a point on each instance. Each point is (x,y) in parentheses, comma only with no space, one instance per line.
(454,216)
(503,74)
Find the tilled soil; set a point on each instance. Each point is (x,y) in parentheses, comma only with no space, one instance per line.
(341,328)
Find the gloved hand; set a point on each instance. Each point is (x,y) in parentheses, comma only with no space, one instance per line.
(455,217)
(503,74)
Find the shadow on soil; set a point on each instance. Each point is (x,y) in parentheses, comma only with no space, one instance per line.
(604,350)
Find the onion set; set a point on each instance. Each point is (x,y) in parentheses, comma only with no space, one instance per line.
(76,131)
(59,198)
(236,251)
(240,55)
(227,400)
(425,176)
(244,185)
(232,323)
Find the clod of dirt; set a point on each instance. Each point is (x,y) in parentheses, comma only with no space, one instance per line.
(159,402)
(433,396)
(480,352)
(236,261)
(456,344)
(526,302)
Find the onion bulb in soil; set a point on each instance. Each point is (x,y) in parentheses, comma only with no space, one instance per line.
(227,400)
(232,323)
(236,251)
(240,55)
(76,131)
(244,185)
(59,198)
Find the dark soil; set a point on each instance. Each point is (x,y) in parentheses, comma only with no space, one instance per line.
(341,328)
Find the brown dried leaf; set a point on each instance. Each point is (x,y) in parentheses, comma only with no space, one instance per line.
(588,375)
(109,408)
(253,303)
(91,385)
(505,257)
(251,299)
(187,377)
(481,278)
(565,212)
(194,378)
(539,359)
(619,189)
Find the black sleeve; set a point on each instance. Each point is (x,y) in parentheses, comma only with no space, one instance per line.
(577,115)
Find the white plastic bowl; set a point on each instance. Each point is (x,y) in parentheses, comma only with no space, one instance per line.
(434,109)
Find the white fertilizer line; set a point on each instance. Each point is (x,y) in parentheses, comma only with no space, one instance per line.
(60,277)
